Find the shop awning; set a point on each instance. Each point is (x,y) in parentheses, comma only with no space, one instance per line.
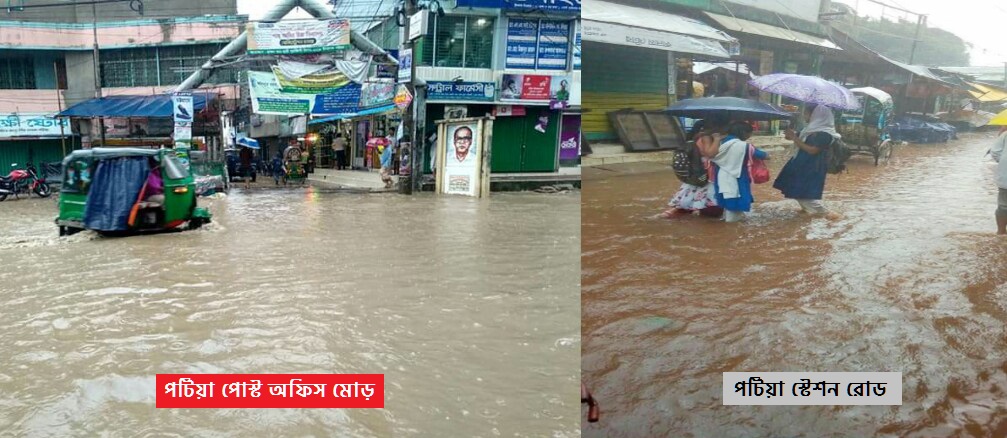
(987,94)
(367,112)
(130,106)
(768,30)
(703,67)
(612,23)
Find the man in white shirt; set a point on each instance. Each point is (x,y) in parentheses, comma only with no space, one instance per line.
(997,151)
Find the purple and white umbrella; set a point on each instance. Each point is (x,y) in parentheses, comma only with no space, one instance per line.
(810,89)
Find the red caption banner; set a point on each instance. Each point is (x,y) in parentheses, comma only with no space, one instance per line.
(270,391)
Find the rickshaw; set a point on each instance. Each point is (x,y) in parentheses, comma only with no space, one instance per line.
(296,173)
(105,190)
(865,131)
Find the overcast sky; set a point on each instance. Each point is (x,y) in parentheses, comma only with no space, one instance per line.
(978,22)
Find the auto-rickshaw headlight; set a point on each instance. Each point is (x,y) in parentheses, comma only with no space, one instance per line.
(181,190)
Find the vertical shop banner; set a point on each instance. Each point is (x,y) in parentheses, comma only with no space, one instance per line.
(375,94)
(462,159)
(181,103)
(553,45)
(522,42)
(576,48)
(406,66)
(296,37)
(569,138)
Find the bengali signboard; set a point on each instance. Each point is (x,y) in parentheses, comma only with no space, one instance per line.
(403,97)
(268,98)
(571,6)
(522,38)
(315,83)
(32,125)
(294,37)
(538,44)
(445,91)
(553,45)
(535,88)
(374,94)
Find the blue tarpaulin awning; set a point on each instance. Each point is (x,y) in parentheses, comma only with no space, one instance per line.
(131,106)
(366,112)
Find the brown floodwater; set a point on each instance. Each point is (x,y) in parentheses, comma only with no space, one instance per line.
(469,307)
(911,280)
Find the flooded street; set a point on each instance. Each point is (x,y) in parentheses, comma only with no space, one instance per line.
(912,280)
(470,308)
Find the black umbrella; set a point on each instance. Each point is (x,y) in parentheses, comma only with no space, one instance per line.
(732,108)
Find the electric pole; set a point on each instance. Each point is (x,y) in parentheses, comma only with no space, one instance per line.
(97,72)
(409,117)
(920,20)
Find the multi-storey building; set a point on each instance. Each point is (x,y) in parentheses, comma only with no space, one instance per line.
(492,57)
(47,63)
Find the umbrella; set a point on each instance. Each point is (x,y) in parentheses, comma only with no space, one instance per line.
(999,119)
(250,143)
(810,89)
(734,108)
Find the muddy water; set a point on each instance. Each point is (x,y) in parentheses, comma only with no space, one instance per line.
(912,280)
(470,309)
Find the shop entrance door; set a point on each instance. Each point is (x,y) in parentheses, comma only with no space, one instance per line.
(519,147)
(360,143)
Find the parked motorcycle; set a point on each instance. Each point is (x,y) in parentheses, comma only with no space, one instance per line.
(23,182)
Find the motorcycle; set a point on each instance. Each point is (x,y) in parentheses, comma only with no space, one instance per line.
(25,182)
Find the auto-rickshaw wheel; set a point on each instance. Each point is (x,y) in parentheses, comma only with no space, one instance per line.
(68,231)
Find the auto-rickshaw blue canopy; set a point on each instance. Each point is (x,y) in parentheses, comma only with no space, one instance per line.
(158,105)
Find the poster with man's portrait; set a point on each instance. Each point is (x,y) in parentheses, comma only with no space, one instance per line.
(462,160)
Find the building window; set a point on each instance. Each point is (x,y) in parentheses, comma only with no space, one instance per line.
(129,67)
(153,66)
(460,41)
(17,73)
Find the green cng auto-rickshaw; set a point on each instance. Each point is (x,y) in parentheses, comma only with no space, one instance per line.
(121,191)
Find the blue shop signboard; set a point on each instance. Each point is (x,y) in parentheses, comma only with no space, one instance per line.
(345,100)
(553,45)
(522,42)
(445,91)
(572,6)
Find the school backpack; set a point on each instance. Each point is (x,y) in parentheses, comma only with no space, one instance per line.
(688,166)
(836,155)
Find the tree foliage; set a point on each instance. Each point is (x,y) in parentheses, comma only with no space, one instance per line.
(937,47)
